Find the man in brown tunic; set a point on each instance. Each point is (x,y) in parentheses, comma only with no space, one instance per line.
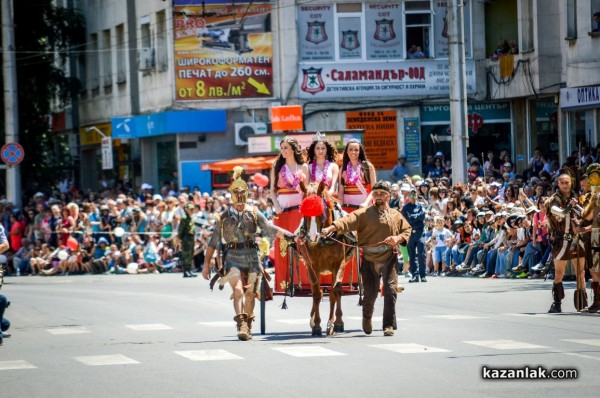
(380,230)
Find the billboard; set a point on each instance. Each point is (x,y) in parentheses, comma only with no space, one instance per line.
(223,50)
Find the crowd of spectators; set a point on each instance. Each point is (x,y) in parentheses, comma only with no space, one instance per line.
(117,230)
(493,225)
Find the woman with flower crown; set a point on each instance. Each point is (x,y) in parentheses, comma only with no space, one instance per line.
(356,177)
(322,164)
(289,169)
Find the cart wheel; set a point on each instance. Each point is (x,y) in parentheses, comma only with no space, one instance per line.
(263,306)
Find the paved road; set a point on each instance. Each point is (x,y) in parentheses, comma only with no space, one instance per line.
(162,335)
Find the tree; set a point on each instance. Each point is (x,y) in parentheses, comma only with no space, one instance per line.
(45,37)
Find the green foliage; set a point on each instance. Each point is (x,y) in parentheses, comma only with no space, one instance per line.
(45,35)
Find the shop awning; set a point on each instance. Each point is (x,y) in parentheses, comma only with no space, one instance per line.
(250,164)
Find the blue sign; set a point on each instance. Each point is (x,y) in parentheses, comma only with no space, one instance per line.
(170,122)
(12,153)
(412,142)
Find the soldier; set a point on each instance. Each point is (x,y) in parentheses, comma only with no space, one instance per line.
(237,227)
(186,232)
(592,213)
(563,223)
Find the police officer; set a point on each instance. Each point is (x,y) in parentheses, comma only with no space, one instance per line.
(238,227)
(414,213)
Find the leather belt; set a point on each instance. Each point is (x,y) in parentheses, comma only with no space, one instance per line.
(241,245)
(350,206)
(377,249)
(291,208)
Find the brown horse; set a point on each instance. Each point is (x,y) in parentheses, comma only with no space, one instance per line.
(322,256)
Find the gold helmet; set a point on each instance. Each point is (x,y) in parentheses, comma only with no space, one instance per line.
(593,173)
(238,188)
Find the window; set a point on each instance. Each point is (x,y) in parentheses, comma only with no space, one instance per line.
(146,41)
(349,32)
(93,65)
(106,59)
(121,54)
(595,13)
(418,27)
(526,17)
(571,20)
(161,41)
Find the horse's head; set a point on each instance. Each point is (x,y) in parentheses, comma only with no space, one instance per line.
(317,210)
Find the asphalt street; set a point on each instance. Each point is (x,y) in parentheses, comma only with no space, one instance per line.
(162,335)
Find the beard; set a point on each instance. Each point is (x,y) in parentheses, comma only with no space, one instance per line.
(380,204)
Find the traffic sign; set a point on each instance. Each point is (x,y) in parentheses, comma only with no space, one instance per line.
(12,153)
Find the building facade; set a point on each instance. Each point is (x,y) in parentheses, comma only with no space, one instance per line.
(174,82)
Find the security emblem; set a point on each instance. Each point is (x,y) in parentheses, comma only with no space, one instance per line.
(312,82)
(316,32)
(385,30)
(350,40)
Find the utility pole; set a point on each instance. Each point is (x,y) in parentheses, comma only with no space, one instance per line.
(134,84)
(458,90)
(11,108)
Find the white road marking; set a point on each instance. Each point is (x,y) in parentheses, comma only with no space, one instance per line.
(16,365)
(208,355)
(454,317)
(504,344)
(221,324)
(594,342)
(68,330)
(103,360)
(149,326)
(409,348)
(308,351)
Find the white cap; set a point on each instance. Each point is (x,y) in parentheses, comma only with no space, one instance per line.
(146,186)
(496,183)
(439,154)
(405,188)
(157,197)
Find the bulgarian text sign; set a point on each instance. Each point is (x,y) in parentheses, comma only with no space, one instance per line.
(222,50)
(377,79)
(381,135)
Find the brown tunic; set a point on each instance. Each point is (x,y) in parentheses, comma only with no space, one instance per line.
(373,227)
(561,228)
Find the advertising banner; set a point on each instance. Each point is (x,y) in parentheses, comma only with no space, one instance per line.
(379,79)
(380,138)
(315,32)
(223,50)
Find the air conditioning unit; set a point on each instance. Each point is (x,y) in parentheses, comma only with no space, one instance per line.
(244,130)
(146,59)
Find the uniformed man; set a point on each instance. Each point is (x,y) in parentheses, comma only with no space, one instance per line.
(237,228)
(186,232)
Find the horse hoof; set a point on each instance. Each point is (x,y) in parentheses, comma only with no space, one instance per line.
(330,331)
(338,328)
(317,332)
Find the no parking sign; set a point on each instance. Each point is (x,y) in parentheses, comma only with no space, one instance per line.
(12,153)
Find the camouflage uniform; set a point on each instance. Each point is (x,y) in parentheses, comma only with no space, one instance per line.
(186,233)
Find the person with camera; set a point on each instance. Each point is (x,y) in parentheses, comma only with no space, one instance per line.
(4,303)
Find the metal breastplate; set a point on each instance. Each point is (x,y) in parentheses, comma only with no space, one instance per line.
(238,228)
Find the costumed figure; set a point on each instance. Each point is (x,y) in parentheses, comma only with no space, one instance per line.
(380,230)
(563,220)
(356,177)
(592,213)
(286,174)
(322,164)
(236,230)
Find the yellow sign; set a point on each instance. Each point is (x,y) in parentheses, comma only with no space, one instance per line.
(92,137)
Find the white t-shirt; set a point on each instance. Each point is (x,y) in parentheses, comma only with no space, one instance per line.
(440,236)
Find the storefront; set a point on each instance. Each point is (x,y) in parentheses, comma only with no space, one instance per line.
(580,109)
(167,138)
(489,128)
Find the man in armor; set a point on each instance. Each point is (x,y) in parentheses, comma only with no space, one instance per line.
(236,228)
(564,226)
(592,213)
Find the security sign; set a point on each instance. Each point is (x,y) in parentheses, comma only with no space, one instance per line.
(12,153)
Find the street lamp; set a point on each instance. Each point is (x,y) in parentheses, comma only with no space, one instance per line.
(107,153)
